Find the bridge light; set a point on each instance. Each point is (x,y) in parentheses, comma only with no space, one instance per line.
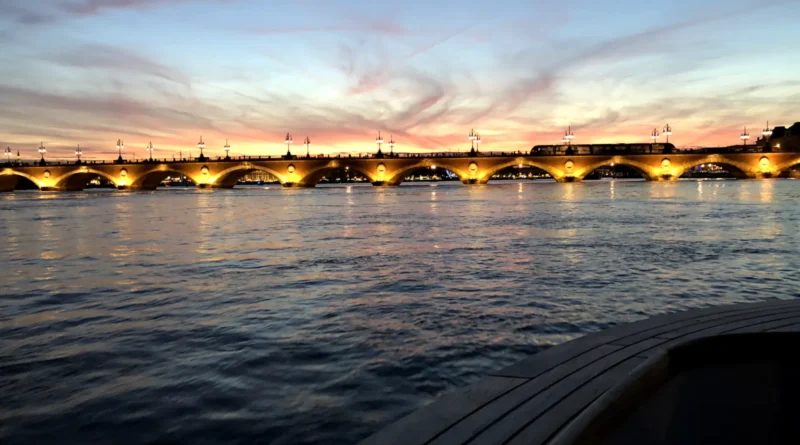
(654,136)
(569,136)
(78,153)
(745,136)
(120,146)
(767,132)
(477,141)
(201,145)
(379,141)
(150,150)
(667,132)
(391,145)
(472,136)
(42,151)
(307,143)
(8,154)
(227,149)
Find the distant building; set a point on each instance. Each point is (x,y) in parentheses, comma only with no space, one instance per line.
(782,139)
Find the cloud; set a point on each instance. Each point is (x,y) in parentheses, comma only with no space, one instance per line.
(115,58)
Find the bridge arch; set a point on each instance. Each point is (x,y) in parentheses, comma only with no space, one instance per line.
(784,167)
(228,178)
(399,175)
(488,173)
(9,178)
(648,172)
(738,170)
(312,177)
(151,179)
(77,180)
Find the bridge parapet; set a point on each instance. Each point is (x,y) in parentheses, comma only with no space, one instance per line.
(388,171)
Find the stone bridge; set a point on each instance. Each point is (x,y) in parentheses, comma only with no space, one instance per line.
(389,171)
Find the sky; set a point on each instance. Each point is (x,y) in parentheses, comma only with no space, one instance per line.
(90,72)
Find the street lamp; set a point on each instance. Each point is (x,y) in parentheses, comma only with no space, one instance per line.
(667,132)
(379,141)
(120,146)
(654,136)
(227,148)
(391,145)
(745,136)
(78,153)
(477,142)
(307,143)
(767,132)
(201,145)
(472,137)
(288,141)
(42,151)
(569,136)
(150,149)
(8,154)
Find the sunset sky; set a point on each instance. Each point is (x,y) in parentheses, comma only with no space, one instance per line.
(168,71)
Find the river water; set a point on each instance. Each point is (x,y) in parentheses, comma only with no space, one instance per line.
(289,316)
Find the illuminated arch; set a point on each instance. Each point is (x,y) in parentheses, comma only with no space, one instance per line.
(648,172)
(783,167)
(9,177)
(313,177)
(487,174)
(151,179)
(77,179)
(399,175)
(230,176)
(739,170)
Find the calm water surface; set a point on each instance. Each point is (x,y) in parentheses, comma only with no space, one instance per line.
(267,315)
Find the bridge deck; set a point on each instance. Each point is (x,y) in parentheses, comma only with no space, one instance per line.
(531,401)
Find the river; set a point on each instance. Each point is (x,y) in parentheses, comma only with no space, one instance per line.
(300,316)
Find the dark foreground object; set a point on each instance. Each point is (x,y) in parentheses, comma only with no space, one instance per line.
(726,374)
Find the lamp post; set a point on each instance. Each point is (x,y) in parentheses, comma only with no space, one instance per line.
(8,154)
(307,143)
(767,132)
(667,132)
(78,153)
(472,137)
(227,149)
(150,149)
(289,142)
(42,151)
(120,146)
(201,145)
(569,136)
(379,141)
(654,136)
(391,145)
(477,142)
(744,137)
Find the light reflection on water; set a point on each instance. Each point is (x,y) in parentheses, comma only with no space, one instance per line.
(317,316)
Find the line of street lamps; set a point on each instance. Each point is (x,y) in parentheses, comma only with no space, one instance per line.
(474,137)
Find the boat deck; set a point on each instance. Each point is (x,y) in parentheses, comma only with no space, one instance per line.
(531,401)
